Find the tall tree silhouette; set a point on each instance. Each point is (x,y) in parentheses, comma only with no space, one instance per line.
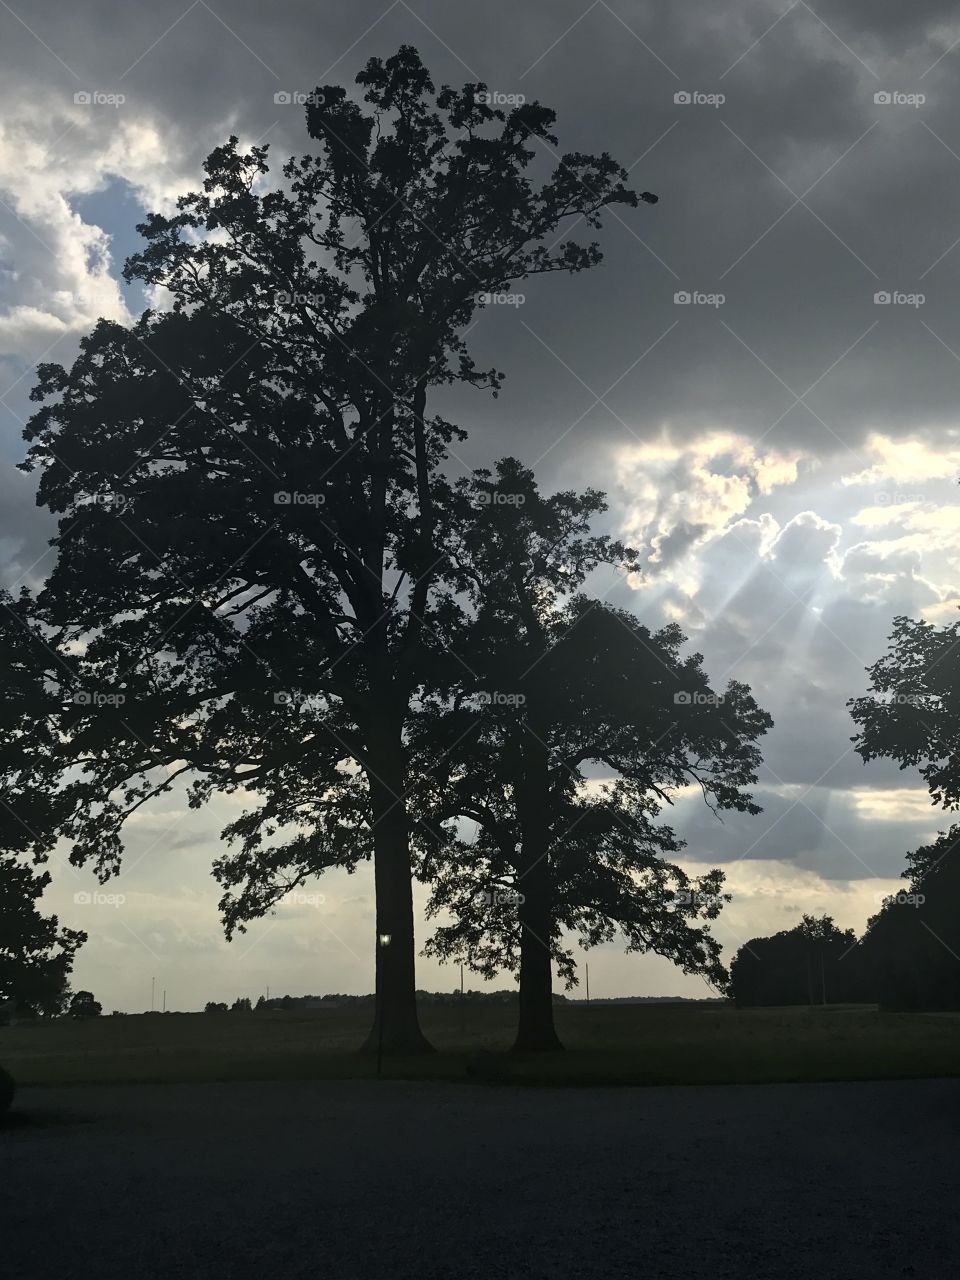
(546,682)
(36,952)
(249,480)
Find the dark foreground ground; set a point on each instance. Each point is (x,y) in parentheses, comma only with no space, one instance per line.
(364,1179)
(708,1043)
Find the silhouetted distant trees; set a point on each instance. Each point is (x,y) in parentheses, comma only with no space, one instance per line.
(814,963)
(84,1005)
(335,999)
(908,957)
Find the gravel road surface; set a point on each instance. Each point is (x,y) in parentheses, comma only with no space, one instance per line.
(352,1180)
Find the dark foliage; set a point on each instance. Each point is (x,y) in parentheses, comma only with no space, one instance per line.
(36,952)
(813,963)
(83,1005)
(913,944)
(251,545)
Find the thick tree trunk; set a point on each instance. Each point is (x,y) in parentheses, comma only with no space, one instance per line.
(535,1031)
(396,1027)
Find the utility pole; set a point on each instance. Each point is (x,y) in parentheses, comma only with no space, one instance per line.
(461,982)
(587,967)
(164,999)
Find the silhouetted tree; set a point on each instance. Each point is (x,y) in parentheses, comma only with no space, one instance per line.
(911,716)
(241,1005)
(83,1005)
(544,683)
(36,952)
(215,1006)
(249,482)
(813,963)
(913,709)
(912,945)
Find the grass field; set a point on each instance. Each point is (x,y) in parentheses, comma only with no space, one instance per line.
(606,1044)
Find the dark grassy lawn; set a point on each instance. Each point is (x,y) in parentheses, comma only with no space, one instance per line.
(606,1044)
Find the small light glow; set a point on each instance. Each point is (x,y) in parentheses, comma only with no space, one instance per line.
(385,939)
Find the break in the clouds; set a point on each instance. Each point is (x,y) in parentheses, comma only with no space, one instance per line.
(764,376)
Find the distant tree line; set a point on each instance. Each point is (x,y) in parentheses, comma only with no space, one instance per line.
(907,958)
(909,955)
(332,1000)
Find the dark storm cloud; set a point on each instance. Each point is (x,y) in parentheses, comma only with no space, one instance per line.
(799,105)
(810,828)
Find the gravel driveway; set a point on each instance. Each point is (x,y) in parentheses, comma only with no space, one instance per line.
(348,1179)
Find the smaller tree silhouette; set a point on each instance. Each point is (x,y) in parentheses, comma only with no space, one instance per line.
(36,953)
(83,1005)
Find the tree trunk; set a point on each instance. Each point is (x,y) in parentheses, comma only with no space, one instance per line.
(396,1027)
(535,1031)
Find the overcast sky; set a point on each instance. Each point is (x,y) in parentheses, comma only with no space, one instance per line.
(782,445)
